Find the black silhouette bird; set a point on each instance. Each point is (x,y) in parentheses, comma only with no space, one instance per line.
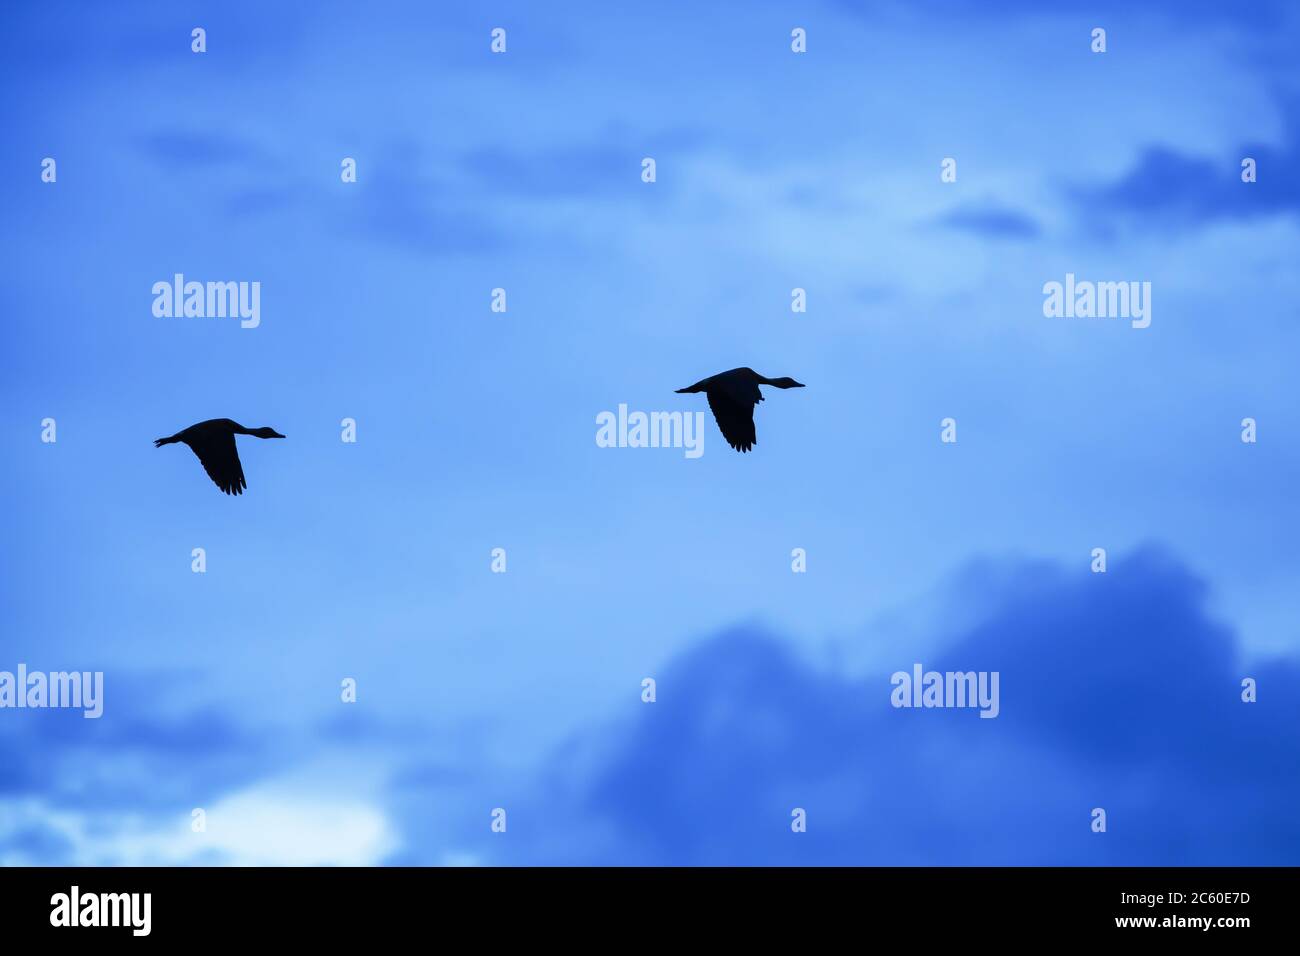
(214,442)
(732,396)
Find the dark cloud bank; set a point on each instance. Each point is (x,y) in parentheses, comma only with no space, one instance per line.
(1117,691)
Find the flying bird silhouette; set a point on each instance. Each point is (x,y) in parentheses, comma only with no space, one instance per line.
(732,396)
(214,442)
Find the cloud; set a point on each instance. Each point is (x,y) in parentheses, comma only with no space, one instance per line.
(1170,189)
(261,826)
(992,221)
(424,217)
(560,172)
(120,790)
(59,755)
(1117,691)
(188,149)
(267,827)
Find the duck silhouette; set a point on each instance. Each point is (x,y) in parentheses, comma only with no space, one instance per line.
(732,396)
(214,442)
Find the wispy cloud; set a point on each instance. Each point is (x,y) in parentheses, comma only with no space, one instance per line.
(198,149)
(992,221)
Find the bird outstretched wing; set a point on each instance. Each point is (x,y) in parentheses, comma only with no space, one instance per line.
(220,458)
(733,410)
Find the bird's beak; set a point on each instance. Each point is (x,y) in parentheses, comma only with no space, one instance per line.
(277,435)
(799,385)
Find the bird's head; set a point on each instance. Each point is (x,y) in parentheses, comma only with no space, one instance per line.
(265,432)
(785,382)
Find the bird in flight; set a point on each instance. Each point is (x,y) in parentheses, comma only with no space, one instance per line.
(732,397)
(214,442)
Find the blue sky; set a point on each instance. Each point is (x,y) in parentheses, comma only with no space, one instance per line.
(476,431)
